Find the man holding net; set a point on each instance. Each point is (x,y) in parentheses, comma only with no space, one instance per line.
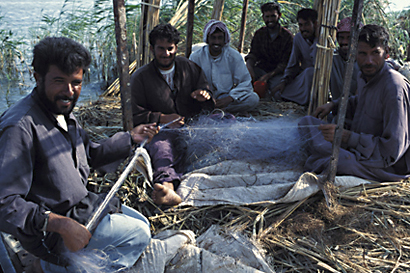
(377,145)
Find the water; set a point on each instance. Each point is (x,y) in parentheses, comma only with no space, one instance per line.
(23,18)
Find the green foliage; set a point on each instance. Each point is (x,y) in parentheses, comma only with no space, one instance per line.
(11,58)
(95,28)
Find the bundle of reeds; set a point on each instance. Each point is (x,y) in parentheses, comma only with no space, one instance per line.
(328,11)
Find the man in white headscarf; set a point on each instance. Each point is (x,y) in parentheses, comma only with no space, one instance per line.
(225,70)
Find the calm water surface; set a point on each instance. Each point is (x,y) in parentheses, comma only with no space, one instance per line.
(23,17)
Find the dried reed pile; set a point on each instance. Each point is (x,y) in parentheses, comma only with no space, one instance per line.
(366,232)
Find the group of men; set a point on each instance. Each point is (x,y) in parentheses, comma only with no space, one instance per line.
(45,155)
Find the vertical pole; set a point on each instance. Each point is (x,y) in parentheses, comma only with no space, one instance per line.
(123,62)
(218,10)
(354,37)
(243,25)
(190,27)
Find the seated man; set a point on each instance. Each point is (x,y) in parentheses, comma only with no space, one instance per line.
(225,70)
(377,146)
(340,59)
(296,83)
(45,160)
(164,90)
(270,48)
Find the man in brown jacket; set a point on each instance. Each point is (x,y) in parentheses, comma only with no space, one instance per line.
(164,90)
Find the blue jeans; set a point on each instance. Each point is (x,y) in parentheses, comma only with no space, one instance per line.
(117,243)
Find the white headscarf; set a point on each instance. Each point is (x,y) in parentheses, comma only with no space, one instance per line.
(212,25)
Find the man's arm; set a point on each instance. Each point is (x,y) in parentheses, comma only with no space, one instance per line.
(18,217)
(286,53)
(142,114)
(254,54)
(241,78)
(293,66)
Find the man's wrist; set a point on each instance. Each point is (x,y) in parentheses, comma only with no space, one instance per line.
(46,220)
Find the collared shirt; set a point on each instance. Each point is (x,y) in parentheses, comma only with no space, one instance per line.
(271,54)
(380,135)
(226,73)
(45,168)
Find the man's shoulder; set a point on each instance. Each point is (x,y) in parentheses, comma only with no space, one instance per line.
(395,77)
(18,113)
(182,63)
(285,32)
(147,68)
(233,53)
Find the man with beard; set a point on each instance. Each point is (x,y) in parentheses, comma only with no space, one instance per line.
(377,145)
(167,89)
(296,82)
(340,60)
(225,70)
(270,48)
(45,160)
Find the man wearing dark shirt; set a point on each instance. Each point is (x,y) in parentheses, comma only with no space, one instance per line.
(168,88)
(45,160)
(270,48)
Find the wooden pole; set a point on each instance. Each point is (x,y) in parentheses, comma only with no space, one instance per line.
(243,25)
(190,27)
(218,9)
(123,62)
(354,37)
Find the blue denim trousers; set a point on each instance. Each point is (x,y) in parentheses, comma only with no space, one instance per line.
(117,243)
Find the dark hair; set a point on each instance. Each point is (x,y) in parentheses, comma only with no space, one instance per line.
(164,31)
(307,15)
(374,35)
(66,54)
(270,6)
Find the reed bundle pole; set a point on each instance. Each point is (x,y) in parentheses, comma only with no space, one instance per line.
(149,19)
(328,11)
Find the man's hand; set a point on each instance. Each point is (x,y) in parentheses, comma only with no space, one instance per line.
(165,118)
(201,95)
(224,102)
(324,110)
(328,132)
(143,131)
(279,88)
(266,77)
(75,235)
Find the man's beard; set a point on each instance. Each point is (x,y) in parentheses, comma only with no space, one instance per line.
(162,66)
(52,105)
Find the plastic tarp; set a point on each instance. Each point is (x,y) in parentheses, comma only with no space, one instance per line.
(245,183)
(216,251)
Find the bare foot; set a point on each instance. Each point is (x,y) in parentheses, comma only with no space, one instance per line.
(164,194)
